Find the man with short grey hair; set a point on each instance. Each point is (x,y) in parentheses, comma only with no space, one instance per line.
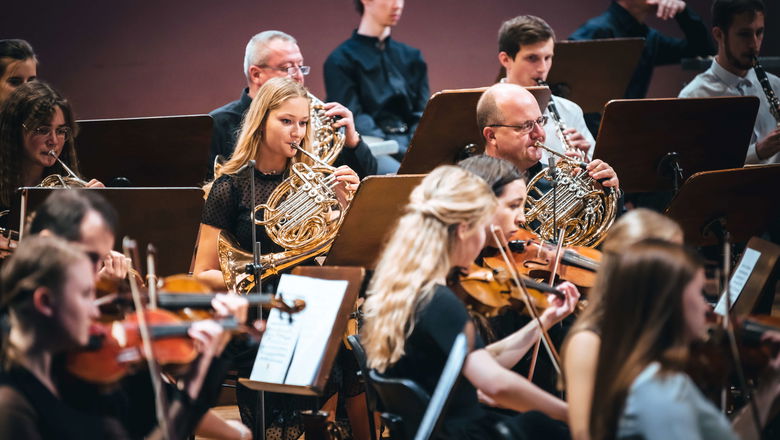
(272,54)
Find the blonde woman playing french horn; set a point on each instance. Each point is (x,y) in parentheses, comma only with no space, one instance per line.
(277,120)
(411,318)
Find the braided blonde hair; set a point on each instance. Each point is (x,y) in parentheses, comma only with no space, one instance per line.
(418,256)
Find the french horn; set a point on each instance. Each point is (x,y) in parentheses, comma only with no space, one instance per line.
(579,205)
(302,215)
(72,180)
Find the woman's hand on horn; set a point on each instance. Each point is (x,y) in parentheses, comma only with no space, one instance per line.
(348,183)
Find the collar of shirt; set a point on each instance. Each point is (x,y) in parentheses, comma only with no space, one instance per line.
(626,21)
(372,42)
(731,80)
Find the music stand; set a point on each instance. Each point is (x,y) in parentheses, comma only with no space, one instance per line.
(642,139)
(168,218)
(592,72)
(378,204)
(169,151)
(745,198)
(354,277)
(448,126)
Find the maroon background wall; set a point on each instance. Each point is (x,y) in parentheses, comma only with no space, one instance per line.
(148,58)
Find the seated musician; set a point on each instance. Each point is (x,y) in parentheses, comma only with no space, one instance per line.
(411,318)
(581,347)
(738,29)
(18,65)
(86,219)
(275,54)
(34,121)
(653,309)
(48,290)
(526,46)
(510,121)
(277,119)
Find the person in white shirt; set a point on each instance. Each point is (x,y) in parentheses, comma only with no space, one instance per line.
(526,45)
(738,28)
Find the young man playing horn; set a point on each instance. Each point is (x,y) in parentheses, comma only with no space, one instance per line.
(525,49)
(738,28)
(273,54)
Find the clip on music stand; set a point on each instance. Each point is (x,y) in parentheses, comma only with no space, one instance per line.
(376,208)
(169,218)
(655,144)
(169,151)
(745,202)
(448,128)
(592,72)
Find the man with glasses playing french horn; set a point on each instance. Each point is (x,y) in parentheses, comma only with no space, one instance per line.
(273,54)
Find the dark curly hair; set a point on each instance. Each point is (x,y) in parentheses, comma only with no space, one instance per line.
(16,50)
(31,105)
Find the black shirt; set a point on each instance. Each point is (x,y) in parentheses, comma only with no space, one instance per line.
(384,83)
(659,49)
(426,350)
(227,124)
(229,205)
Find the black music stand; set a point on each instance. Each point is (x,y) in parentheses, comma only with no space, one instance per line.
(448,127)
(168,218)
(744,200)
(169,151)
(377,206)
(645,140)
(592,72)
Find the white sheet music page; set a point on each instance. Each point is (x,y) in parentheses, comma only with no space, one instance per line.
(739,279)
(276,348)
(291,349)
(323,300)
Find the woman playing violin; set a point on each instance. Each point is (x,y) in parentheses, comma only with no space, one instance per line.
(48,290)
(275,123)
(412,318)
(581,347)
(653,309)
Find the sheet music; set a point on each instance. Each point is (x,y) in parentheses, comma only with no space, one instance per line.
(739,279)
(276,349)
(291,350)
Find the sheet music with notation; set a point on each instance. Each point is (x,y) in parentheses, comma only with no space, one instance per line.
(292,348)
(739,279)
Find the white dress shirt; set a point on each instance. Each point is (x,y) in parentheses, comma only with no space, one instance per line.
(717,81)
(571,116)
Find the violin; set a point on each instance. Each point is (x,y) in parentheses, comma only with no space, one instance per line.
(115,348)
(578,264)
(488,290)
(712,364)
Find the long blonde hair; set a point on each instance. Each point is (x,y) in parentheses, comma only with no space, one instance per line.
(270,96)
(418,255)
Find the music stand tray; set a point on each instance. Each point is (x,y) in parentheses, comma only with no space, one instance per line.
(168,151)
(594,71)
(448,126)
(706,133)
(746,198)
(376,208)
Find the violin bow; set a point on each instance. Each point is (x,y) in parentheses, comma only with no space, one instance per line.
(553,274)
(161,404)
(500,239)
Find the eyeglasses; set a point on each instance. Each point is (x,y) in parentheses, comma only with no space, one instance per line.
(526,127)
(45,130)
(290,71)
